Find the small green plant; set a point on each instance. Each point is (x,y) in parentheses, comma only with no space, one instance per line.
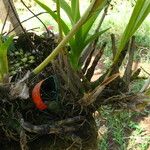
(4,45)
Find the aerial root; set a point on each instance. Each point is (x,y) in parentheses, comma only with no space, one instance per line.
(58,127)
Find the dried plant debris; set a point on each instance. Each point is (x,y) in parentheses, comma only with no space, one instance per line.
(28,51)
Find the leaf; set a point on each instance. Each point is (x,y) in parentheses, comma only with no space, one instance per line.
(76,51)
(67,9)
(94,36)
(64,26)
(144,12)
(87,26)
(140,12)
(5,45)
(98,7)
(75,7)
(8,42)
(68,37)
(3,57)
(82,34)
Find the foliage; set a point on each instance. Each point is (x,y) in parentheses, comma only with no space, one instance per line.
(140,12)
(81,38)
(4,45)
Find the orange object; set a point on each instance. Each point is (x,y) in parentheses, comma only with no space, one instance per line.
(50,27)
(36,97)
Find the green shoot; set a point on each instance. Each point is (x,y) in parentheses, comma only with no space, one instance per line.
(3,58)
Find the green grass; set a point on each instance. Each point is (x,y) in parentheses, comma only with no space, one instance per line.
(123,131)
(116,123)
(137,85)
(138,140)
(103,143)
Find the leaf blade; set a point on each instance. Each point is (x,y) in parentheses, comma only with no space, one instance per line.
(54,16)
(140,12)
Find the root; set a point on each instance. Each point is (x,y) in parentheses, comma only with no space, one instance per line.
(59,127)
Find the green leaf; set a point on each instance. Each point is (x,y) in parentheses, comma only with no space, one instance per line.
(82,34)
(94,36)
(76,51)
(67,9)
(75,7)
(3,57)
(140,12)
(7,43)
(86,16)
(93,14)
(64,26)
(88,25)
(55,17)
(144,12)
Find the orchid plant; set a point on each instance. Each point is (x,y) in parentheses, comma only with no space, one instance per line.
(78,36)
(80,25)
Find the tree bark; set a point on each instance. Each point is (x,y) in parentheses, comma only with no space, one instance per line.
(12,20)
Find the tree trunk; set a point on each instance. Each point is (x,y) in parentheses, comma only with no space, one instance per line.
(12,20)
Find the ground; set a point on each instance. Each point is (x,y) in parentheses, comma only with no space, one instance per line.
(123,130)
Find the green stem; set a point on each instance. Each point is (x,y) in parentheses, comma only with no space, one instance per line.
(59,20)
(3,67)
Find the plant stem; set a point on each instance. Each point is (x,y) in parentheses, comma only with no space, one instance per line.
(59,20)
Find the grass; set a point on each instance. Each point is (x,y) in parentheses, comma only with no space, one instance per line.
(116,123)
(123,132)
(137,85)
(103,143)
(139,140)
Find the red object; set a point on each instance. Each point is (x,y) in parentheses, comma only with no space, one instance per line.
(50,27)
(36,97)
